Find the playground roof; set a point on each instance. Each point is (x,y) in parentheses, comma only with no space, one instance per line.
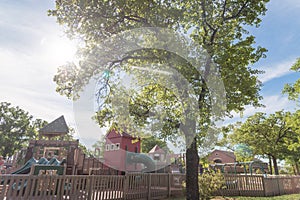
(113,134)
(55,128)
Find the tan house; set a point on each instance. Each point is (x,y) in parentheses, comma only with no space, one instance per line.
(219,156)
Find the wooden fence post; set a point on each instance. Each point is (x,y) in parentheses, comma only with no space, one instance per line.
(125,186)
(149,186)
(169,185)
(90,186)
(264,185)
(278,185)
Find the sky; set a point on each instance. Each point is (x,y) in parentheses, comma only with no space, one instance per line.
(33,45)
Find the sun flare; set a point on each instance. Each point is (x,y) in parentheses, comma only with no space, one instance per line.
(59,49)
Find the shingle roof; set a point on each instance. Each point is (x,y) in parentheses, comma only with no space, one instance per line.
(57,127)
(228,153)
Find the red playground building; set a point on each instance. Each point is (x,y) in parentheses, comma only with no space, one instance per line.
(122,152)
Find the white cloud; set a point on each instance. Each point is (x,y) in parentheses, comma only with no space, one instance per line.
(277,70)
(272,104)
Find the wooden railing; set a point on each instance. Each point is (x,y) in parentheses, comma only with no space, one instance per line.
(129,186)
(279,185)
(258,185)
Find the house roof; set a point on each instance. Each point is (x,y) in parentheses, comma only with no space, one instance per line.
(55,128)
(157,149)
(228,153)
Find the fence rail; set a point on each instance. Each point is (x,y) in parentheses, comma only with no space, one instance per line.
(112,187)
(258,185)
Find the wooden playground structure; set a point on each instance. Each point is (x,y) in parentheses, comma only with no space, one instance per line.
(76,161)
(57,168)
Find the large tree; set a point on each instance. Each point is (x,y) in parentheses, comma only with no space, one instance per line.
(270,136)
(293,141)
(16,128)
(218,26)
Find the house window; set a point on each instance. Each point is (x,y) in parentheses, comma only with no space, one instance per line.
(136,149)
(126,148)
(112,147)
(107,147)
(117,146)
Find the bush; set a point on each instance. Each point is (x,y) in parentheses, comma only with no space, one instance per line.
(210,182)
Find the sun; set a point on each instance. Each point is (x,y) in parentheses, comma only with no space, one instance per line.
(59,50)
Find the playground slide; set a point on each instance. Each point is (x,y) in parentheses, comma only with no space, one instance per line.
(43,161)
(26,168)
(141,158)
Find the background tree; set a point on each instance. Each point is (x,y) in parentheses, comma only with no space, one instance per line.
(265,135)
(148,143)
(293,89)
(293,141)
(243,153)
(100,145)
(218,26)
(35,126)
(16,128)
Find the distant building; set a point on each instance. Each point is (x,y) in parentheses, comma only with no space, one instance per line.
(219,156)
(157,153)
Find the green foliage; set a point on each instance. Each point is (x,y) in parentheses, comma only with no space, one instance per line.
(148,143)
(100,144)
(243,153)
(17,127)
(217,26)
(293,90)
(210,182)
(276,135)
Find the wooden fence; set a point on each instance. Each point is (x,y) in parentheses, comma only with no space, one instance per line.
(129,186)
(258,185)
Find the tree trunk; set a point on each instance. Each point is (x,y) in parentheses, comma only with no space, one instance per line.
(297,168)
(275,165)
(192,161)
(294,169)
(270,164)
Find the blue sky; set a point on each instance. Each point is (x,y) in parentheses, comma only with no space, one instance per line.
(32,46)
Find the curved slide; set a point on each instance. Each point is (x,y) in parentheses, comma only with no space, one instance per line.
(26,168)
(43,161)
(141,158)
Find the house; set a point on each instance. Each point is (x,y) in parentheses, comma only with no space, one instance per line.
(220,156)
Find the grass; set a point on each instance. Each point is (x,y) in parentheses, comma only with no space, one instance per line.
(282,197)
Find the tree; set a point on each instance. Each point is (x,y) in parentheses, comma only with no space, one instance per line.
(293,141)
(16,128)
(99,146)
(243,153)
(293,90)
(218,26)
(265,135)
(149,142)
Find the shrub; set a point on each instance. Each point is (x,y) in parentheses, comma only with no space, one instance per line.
(210,182)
